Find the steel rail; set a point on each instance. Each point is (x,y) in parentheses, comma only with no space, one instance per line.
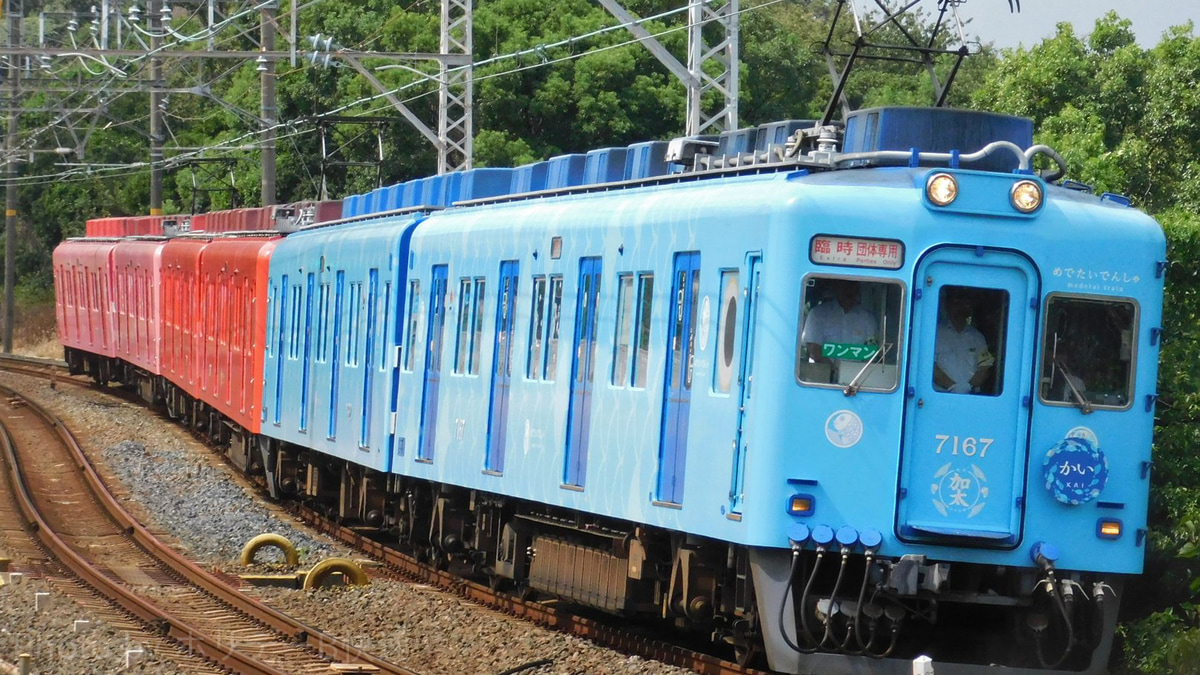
(403,565)
(145,612)
(324,644)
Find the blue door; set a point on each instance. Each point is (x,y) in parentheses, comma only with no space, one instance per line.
(677,395)
(745,380)
(582,371)
(966,436)
(433,363)
(506,302)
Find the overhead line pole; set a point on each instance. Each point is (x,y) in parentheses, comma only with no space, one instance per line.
(266,67)
(156,113)
(15,10)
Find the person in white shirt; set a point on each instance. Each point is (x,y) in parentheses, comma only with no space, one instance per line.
(961,359)
(841,320)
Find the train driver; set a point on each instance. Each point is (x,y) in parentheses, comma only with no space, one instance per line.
(842,321)
(962,362)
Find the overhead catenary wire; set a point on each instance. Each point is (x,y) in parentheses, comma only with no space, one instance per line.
(292,129)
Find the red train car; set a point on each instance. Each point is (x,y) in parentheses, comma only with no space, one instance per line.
(82,297)
(136,291)
(181,334)
(233,280)
(214,328)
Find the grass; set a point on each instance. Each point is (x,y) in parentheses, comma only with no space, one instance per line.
(35,330)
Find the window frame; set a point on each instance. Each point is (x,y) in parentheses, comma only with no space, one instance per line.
(1133,348)
(642,310)
(724,275)
(466,313)
(1001,353)
(619,375)
(537,327)
(901,329)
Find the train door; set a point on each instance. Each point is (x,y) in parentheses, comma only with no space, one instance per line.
(582,371)
(677,395)
(745,379)
(501,365)
(433,363)
(965,444)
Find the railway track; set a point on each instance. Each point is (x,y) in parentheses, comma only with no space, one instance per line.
(80,524)
(403,566)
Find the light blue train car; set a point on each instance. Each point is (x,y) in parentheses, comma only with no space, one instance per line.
(876,402)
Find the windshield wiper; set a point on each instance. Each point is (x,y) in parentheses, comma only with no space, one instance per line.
(856,382)
(1080,400)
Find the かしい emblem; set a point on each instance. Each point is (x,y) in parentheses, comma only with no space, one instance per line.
(1076,471)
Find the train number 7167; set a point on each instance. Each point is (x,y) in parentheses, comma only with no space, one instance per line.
(969,445)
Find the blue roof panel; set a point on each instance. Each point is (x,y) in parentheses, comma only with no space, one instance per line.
(565,171)
(646,160)
(530,177)
(605,165)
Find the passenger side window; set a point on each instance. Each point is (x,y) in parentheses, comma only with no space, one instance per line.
(849,333)
(624,328)
(461,346)
(477,338)
(414,294)
(556,288)
(726,331)
(1088,352)
(537,320)
(353,319)
(971,330)
(641,331)
(543,328)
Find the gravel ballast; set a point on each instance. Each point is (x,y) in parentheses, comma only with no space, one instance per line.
(178,488)
(48,636)
(199,504)
(439,634)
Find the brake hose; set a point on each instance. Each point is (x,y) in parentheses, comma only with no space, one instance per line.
(787,593)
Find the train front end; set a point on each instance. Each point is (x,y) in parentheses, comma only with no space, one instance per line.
(956,464)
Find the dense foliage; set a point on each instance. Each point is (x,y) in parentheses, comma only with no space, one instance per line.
(1126,118)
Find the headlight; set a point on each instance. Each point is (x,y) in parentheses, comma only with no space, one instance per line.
(1026,196)
(941,189)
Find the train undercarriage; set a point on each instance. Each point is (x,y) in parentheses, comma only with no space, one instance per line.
(828,609)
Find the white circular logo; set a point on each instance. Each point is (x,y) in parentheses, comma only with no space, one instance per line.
(1086,434)
(844,428)
(705,322)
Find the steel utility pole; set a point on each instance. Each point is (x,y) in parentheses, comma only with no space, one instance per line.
(156,112)
(10,173)
(266,66)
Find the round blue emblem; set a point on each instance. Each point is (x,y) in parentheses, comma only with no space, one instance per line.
(1076,471)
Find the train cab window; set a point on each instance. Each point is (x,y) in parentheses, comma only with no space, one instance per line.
(969,351)
(1088,352)
(849,333)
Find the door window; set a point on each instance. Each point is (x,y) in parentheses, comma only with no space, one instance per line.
(969,352)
